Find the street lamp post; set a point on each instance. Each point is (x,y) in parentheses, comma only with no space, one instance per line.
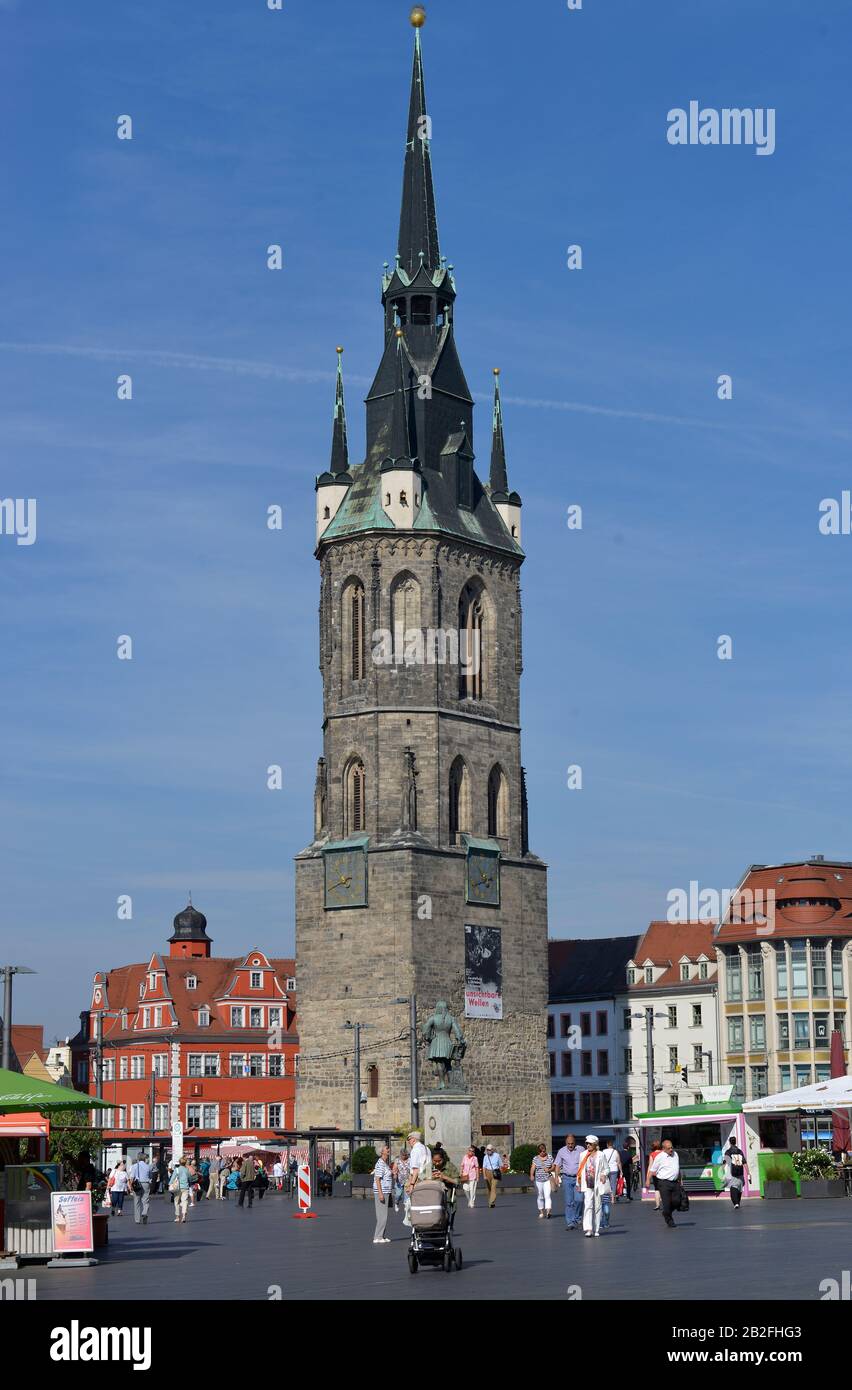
(709,1056)
(7,971)
(411,1001)
(356,1067)
(649,1016)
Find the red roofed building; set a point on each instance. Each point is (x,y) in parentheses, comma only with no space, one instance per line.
(784,947)
(674,976)
(205,1040)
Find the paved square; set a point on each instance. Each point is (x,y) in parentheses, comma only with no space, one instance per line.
(778,1250)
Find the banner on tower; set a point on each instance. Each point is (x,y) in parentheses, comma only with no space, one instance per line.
(483,972)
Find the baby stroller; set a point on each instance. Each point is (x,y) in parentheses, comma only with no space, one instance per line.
(431,1216)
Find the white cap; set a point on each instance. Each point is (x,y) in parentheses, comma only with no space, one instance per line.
(592,1139)
(488,1146)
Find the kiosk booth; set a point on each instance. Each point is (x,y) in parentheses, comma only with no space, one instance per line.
(700,1134)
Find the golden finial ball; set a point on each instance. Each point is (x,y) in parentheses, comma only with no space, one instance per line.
(418,16)
(496,371)
(339,350)
(399,332)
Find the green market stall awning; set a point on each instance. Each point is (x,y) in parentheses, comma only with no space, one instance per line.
(697,1112)
(21,1094)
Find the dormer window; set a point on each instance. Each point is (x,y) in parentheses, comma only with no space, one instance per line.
(649,974)
(192,982)
(684,972)
(204,1017)
(141,988)
(257,979)
(152,980)
(631,977)
(291,981)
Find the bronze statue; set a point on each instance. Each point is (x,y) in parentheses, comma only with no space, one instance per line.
(446,1043)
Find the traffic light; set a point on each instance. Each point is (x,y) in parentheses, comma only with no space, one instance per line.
(684,1076)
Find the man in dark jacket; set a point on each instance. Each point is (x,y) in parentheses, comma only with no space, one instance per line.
(248,1176)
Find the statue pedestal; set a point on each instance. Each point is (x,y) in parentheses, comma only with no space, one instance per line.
(446,1116)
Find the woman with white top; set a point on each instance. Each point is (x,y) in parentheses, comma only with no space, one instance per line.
(118,1185)
(540,1171)
(593,1182)
(470,1174)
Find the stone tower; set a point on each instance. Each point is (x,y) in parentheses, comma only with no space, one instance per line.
(419,879)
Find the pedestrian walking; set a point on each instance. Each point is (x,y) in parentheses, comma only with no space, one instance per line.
(650,1180)
(470,1174)
(593,1180)
(382,1194)
(194,1181)
(278,1174)
(566,1163)
(247,1175)
(627,1166)
(232,1181)
(419,1166)
(492,1172)
(261,1180)
(541,1169)
(179,1188)
(666,1169)
(736,1172)
(613,1159)
(140,1184)
(213,1189)
(118,1185)
(401,1171)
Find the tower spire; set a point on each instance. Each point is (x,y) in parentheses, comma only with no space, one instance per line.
(339,443)
(499,477)
(400,436)
(418,221)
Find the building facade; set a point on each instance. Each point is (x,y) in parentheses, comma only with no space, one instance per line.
(208,1042)
(673,975)
(419,881)
(784,951)
(585,1015)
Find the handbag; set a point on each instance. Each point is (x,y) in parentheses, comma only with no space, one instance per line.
(684,1198)
(619,1186)
(554,1182)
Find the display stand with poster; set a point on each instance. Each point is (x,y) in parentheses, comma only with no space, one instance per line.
(73,1230)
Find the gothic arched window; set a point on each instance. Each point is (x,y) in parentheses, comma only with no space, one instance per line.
(497,803)
(459,805)
(354,630)
(471,642)
(354,798)
(405,613)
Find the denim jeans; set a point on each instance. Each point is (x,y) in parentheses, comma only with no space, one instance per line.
(573,1201)
(607,1199)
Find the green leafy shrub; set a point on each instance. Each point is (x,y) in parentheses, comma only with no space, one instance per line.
(364,1159)
(776,1172)
(521,1157)
(814,1163)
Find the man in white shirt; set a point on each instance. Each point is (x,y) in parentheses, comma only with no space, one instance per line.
(666,1169)
(420,1165)
(491,1169)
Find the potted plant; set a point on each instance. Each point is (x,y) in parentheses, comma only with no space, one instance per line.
(818,1173)
(364,1161)
(520,1160)
(777,1182)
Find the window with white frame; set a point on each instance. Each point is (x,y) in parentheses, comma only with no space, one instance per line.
(152,980)
(107,1119)
(697,1057)
(257,979)
(696,1015)
(122,1117)
(276,1116)
(672,1010)
(238,1016)
(236,1116)
(238,1064)
(193,1117)
(158,1016)
(210,1116)
(146,1018)
(255,1117)
(684,971)
(255,1018)
(137,1117)
(160,1064)
(211,1064)
(161,1117)
(137,1068)
(703,970)
(108,1068)
(649,974)
(194,1064)
(673,1059)
(122,1068)
(192,982)
(276,1064)
(291,982)
(275,1018)
(204,1017)
(255,1064)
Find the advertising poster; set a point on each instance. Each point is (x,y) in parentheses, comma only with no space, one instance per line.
(71,1219)
(483,972)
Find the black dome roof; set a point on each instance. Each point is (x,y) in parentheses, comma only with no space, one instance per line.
(190,923)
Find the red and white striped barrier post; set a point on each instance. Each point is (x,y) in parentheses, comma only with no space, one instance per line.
(303,1191)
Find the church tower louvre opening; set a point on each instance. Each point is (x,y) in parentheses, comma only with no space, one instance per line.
(419,881)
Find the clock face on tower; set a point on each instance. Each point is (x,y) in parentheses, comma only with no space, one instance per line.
(483,877)
(345,877)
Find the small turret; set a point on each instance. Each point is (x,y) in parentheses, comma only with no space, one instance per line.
(331,487)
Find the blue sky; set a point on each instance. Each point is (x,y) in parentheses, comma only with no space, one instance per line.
(148,257)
